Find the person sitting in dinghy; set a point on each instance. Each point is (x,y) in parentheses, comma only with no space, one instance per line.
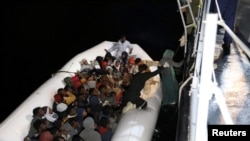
(86,67)
(38,114)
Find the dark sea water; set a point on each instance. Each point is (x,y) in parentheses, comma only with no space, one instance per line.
(38,38)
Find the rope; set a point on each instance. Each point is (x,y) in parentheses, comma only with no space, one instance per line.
(61,72)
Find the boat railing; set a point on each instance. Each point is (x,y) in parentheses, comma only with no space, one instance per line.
(204,84)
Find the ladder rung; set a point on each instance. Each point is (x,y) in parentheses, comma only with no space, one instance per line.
(189,25)
(184,6)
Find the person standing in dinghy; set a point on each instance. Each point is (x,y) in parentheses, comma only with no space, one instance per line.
(123,45)
(133,94)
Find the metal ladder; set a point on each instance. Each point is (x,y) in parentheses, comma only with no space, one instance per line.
(185,5)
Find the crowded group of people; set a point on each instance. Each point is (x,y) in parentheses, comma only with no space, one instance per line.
(88,107)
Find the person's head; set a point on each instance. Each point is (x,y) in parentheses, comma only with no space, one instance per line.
(104,64)
(72,111)
(40,125)
(88,109)
(124,55)
(63,91)
(131,61)
(93,91)
(142,68)
(103,89)
(104,122)
(168,54)
(108,56)
(138,61)
(74,123)
(89,123)
(107,111)
(58,124)
(55,132)
(123,38)
(117,62)
(58,98)
(39,111)
(77,138)
(84,62)
(109,69)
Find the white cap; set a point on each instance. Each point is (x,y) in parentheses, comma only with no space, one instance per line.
(61,107)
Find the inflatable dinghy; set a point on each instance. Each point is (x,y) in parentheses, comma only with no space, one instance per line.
(134,125)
